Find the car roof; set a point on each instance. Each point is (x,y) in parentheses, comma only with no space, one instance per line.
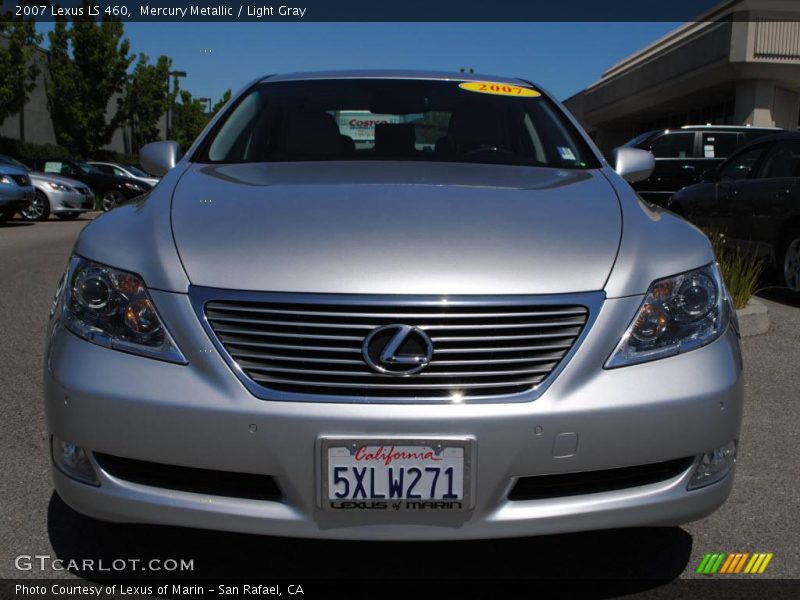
(392,74)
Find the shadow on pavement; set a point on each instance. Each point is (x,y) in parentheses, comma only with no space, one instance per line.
(781,295)
(636,559)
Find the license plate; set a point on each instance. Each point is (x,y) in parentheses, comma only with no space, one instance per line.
(395,474)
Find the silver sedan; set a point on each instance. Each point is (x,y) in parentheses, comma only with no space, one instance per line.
(53,194)
(446,317)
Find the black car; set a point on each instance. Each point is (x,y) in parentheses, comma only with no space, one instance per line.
(682,155)
(754,199)
(111,189)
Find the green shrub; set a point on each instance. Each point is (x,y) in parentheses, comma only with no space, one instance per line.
(740,271)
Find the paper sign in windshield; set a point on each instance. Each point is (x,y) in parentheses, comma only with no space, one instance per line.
(499,89)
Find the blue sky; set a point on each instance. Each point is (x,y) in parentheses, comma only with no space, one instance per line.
(562,57)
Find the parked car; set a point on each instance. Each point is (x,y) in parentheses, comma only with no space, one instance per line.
(53,194)
(754,199)
(682,155)
(470,327)
(16,191)
(111,190)
(131,171)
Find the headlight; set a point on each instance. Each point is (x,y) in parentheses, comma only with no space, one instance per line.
(58,186)
(678,314)
(6,179)
(134,186)
(112,308)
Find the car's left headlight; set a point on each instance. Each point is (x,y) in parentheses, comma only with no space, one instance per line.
(112,308)
(679,314)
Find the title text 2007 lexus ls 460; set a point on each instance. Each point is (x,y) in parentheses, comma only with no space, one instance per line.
(465,326)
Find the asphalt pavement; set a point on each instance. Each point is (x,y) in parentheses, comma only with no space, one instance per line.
(760,516)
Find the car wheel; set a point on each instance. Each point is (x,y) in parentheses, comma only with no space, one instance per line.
(38,209)
(112,198)
(68,216)
(789,265)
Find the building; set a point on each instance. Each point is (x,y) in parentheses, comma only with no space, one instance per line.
(739,64)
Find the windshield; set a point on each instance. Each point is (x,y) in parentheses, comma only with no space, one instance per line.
(386,119)
(13,162)
(638,139)
(136,171)
(85,167)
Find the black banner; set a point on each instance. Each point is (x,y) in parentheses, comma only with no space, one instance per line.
(368,10)
(312,589)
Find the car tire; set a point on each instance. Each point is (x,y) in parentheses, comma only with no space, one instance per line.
(111,198)
(68,216)
(38,209)
(4,217)
(789,261)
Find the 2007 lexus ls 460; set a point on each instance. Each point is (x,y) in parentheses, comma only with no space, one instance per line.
(393,305)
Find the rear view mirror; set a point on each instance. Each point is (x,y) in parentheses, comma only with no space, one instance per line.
(159,157)
(633,164)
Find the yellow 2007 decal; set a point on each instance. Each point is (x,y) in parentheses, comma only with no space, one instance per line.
(499,89)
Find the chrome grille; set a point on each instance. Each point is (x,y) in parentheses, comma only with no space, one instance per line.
(481,349)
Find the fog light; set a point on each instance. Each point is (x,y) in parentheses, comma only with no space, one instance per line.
(73,462)
(714,465)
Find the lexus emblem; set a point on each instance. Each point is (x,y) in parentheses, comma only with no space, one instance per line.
(397,349)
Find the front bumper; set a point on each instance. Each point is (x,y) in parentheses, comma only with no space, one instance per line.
(200,415)
(69,202)
(16,198)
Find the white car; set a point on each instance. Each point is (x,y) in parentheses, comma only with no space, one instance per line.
(130,171)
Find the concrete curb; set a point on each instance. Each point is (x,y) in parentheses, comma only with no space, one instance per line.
(753,318)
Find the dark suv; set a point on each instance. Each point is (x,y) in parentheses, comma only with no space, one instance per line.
(111,190)
(682,155)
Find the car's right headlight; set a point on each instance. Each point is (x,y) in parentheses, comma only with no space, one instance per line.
(678,314)
(59,187)
(112,308)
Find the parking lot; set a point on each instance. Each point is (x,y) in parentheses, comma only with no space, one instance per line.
(760,516)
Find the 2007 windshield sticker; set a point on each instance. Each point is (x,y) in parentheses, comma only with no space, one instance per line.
(499,89)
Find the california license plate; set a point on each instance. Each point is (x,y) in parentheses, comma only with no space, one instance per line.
(395,474)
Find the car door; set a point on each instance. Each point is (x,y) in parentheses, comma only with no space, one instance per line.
(736,187)
(675,168)
(763,209)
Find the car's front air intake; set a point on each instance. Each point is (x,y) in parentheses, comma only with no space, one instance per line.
(314,345)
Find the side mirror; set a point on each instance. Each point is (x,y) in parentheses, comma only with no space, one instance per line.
(633,164)
(159,157)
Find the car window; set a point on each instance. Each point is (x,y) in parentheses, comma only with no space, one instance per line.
(119,172)
(673,145)
(397,119)
(59,168)
(741,166)
(102,168)
(720,144)
(782,161)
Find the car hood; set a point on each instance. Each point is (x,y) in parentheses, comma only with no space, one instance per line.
(41,177)
(396,228)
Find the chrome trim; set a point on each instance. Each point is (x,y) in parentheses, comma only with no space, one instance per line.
(560,354)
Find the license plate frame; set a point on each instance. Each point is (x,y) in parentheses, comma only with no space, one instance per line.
(403,505)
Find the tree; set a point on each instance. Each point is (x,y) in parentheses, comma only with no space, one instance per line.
(147,98)
(89,64)
(218,106)
(19,67)
(188,119)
